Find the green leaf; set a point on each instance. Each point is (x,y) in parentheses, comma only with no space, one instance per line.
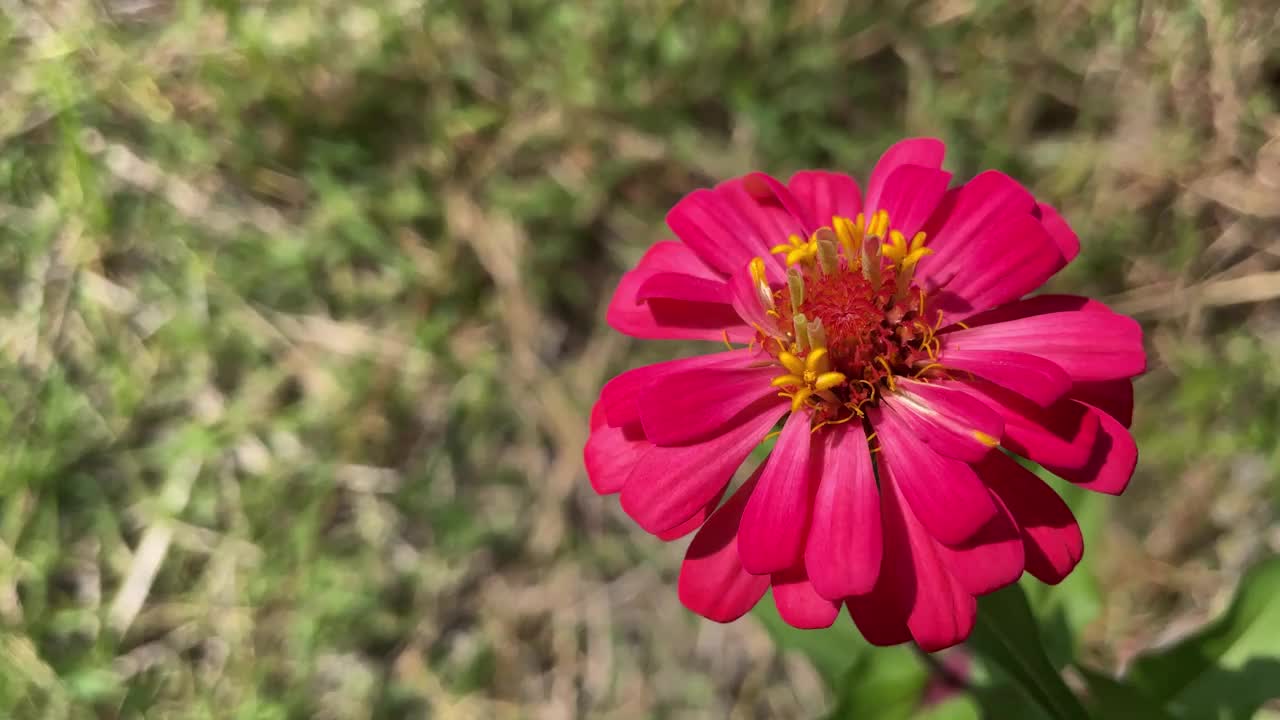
(1229,668)
(1065,609)
(1110,698)
(832,651)
(884,683)
(961,708)
(1007,637)
(999,698)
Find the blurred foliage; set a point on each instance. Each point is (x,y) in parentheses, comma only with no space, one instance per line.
(300,319)
(1229,668)
(1008,639)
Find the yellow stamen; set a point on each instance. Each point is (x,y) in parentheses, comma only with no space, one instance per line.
(801,324)
(917,242)
(888,372)
(828,380)
(858,407)
(841,421)
(913,256)
(817,361)
(871,261)
(896,248)
(985,439)
(907,271)
(787,380)
(849,235)
(878,225)
(758,274)
(824,241)
(798,399)
(727,344)
(761,280)
(791,363)
(902,283)
(795,284)
(793,242)
(927,368)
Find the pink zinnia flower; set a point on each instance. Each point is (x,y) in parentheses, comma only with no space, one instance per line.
(887,334)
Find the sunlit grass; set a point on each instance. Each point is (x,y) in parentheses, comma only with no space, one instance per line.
(300,319)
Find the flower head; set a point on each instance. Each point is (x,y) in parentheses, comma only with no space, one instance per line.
(887,335)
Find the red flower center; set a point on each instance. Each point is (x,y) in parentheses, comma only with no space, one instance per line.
(849,318)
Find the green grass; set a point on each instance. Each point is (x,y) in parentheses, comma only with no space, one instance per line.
(300,317)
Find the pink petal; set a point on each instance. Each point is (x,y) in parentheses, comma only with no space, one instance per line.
(598,416)
(943,493)
(1087,345)
(1071,439)
(746,302)
(668,319)
(694,522)
(764,224)
(1010,259)
(951,422)
(766,190)
(669,256)
(880,616)
(1050,535)
(991,559)
(926,152)
(914,581)
(798,604)
(1038,305)
(773,525)
(619,396)
(712,581)
(1114,397)
(1066,239)
(669,485)
(971,210)
(1062,435)
(713,229)
(1032,377)
(679,315)
(826,195)
(910,196)
(611,453)
(682,406)
(678,286)
(842,554)
(663,319)
(1111,464)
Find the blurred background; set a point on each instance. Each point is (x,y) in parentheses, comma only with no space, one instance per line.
(301,319)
